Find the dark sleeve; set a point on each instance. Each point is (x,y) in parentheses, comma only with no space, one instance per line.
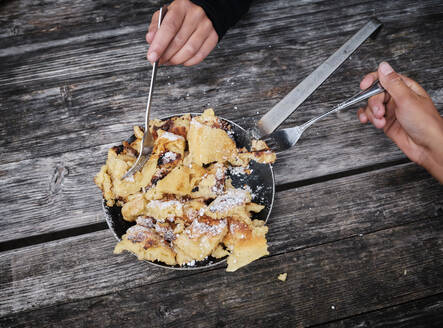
(223,13)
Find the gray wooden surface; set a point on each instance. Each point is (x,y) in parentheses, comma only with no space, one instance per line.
(356,226)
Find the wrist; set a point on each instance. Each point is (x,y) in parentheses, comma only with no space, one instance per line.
(433,160)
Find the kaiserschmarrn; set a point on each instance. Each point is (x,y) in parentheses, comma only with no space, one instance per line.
(182,202)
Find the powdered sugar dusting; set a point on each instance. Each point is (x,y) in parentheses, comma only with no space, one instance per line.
(129,178)
(146,224)
(198,228)
(169,157)
(192,263)
(233,197)
(145,221)
(219,173)
(238,170)
(135,229)
(196,123)
(137,233)
(169,235)
(248,189)
(164,204)
(171,136)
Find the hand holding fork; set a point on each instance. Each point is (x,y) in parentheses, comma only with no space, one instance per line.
(284,139)
(148,140)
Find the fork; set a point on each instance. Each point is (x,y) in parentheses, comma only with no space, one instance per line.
(287,138)
(147,142)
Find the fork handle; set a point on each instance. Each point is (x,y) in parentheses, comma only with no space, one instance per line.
(161,15)
(375,89)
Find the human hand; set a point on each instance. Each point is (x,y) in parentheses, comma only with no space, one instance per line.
(407,115)
(186,35)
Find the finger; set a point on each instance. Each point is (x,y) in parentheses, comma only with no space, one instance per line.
(168,29)
(204,51)
(396,133)
(394,84)
(188,27)
(376,103)
(390,107)
(152,27)
(368,80)
(414,86)
(379,123)
(362,116)
(193,45)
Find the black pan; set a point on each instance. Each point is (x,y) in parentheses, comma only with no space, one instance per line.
(261,182)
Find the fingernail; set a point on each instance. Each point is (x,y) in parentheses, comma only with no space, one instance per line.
(377,112)
(385,68)
(149,36)
(378,122)
(362,117)
(152,57)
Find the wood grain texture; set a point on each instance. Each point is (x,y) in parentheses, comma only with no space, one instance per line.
(30,22)
(364,249)
(54,193)
(75,105)
(93,89)
(50,194)
(317,289)
(422,313)
(83,266)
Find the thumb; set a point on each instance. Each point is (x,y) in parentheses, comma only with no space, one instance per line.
(394,84)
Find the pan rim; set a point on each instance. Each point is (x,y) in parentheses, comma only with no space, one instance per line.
(110,224)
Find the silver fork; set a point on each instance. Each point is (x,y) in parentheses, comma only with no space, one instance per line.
(148,140)
(286,138)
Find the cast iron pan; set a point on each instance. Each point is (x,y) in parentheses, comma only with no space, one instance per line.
(260,181)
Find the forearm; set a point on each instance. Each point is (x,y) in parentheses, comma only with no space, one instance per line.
(434,152)
(224,13)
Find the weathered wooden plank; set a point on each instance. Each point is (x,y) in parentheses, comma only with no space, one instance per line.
(83,266)
(312,28)
(24,22)
(425,313)
(326,282)
(49,194)
(67,70)
(312,41)
(90,112)
(27,22)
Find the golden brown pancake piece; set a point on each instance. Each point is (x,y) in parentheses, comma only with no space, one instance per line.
(182,202)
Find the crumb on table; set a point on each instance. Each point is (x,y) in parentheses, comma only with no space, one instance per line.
(282,276)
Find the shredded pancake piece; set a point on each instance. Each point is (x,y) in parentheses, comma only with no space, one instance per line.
(182,202)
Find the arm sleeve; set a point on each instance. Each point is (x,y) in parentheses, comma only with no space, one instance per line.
(223,13)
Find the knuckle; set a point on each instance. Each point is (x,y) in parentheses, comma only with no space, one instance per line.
(178,40)
(199,56)
(174,61)
(198,11)
(206,23)
(172,25)
(190,48)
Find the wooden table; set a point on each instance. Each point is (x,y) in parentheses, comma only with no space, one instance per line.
(356,226)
